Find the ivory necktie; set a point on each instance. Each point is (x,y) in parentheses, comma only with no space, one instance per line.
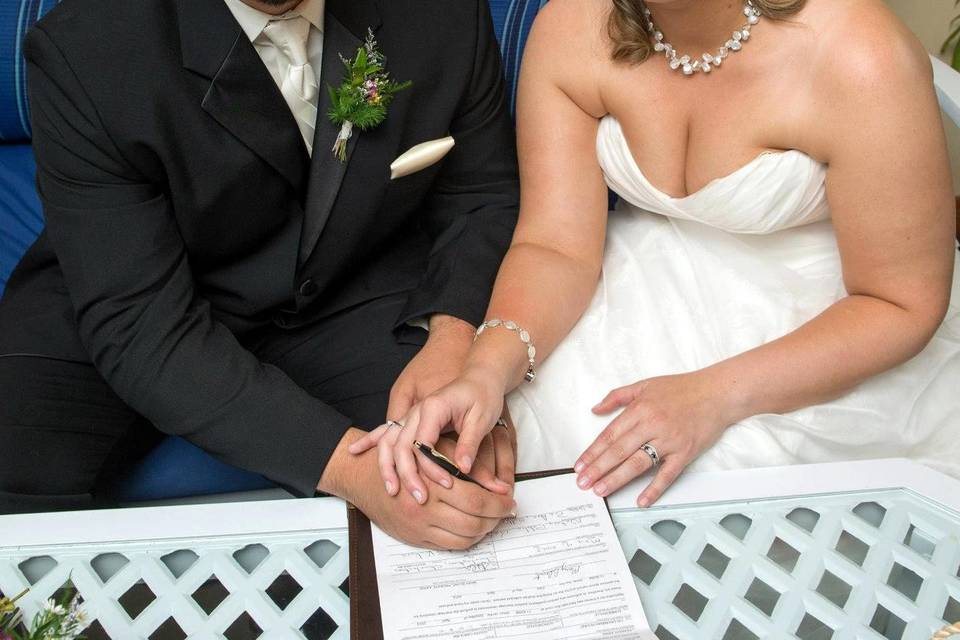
(299,87)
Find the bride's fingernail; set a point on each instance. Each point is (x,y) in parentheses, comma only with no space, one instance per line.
(600,489)
(466,461)
(643,503)
(389,486)
(583,482)
(513,512)
(446,482)
(578,467)
(418,496)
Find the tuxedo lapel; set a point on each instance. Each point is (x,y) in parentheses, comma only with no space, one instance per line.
(242,95)
(345,27)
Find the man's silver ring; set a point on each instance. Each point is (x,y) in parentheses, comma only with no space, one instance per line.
(502,423)
(394,423)
(651,451)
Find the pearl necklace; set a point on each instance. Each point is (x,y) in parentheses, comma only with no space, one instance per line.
(708,61)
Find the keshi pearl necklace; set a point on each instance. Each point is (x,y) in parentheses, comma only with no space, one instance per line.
(707,61)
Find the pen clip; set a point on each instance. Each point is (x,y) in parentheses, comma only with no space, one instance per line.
(425,448)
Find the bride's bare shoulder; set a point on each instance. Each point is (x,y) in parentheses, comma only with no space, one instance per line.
(570,45)
(862,42)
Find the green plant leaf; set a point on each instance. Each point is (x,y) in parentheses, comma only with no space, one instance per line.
(950,41)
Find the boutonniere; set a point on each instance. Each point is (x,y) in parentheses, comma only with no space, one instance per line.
(363,98)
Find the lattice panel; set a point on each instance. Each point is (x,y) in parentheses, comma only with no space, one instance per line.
(871,566)
(282,585)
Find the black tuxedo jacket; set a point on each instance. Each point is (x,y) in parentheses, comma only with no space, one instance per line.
(183,212)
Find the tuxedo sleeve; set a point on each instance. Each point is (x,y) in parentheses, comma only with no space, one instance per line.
(472,210)
(148,333)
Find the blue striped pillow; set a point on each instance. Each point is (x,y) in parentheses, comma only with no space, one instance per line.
(512,20)
(16,18)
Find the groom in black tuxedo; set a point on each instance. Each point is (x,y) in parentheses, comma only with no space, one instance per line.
(202,274)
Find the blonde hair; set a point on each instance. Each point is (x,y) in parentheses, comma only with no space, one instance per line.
(627,26)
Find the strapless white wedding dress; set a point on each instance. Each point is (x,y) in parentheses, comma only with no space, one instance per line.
(691,281)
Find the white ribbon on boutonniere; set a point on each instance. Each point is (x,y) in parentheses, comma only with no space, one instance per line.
(362,99)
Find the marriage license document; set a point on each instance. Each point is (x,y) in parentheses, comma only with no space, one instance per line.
(555,572)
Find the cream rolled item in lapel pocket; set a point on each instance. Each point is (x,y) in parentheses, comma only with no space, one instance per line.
(420,157)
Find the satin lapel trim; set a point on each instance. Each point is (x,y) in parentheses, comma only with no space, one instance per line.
(326,171)
(245,100)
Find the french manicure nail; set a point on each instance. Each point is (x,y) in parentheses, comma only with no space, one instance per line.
(583,482)
(446,482)
(418,496)
(643,503)
(389,486)
(578,467)
(600,489)
(466,461)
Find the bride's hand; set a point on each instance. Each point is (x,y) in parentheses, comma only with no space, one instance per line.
(470,406)
(679,415)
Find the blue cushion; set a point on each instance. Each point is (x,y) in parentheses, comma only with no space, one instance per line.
(16,18)
(20,217)
(512,20)
(177,469)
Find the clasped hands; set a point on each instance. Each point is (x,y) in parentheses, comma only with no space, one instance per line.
(454,408)
(679,415)
(435,511)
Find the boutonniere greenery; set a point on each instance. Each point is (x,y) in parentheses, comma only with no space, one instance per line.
(363,98)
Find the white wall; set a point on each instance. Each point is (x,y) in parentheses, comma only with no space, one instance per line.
(930,19)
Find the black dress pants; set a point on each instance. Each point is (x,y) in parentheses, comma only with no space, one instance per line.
(64,434)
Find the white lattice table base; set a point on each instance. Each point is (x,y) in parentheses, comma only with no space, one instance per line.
(270,585)
(724,558)
(870,565)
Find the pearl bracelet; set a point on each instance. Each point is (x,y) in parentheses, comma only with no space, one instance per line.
(510,325)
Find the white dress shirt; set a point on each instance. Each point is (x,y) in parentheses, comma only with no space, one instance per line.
(253,21)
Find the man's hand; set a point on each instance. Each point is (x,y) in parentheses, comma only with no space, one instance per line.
(451,518)
(438,363)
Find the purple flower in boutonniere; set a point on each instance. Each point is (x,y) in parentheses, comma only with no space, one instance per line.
(363,97)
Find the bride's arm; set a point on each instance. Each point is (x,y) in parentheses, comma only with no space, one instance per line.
(890,194)
(876,122)
(551,270)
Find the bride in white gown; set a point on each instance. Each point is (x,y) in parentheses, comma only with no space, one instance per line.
(796,309)
(688,282)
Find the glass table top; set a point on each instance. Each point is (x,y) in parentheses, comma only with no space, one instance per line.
(869,565)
